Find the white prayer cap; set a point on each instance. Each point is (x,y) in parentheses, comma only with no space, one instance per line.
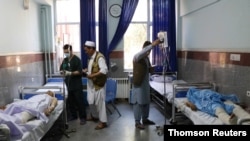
(90,44)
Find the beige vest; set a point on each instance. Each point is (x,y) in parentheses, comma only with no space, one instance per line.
(100,80)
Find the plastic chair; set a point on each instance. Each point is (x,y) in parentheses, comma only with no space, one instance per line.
(111,91)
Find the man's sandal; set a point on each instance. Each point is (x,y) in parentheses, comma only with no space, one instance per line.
(101,126)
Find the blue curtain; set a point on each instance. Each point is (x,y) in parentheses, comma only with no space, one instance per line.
(128,9)
(87,26)
(103,40)
(164,20)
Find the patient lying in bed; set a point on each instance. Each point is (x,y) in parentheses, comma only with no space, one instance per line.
(16,114)
(223,106)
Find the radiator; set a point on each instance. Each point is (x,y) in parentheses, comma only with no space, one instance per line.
(123,87)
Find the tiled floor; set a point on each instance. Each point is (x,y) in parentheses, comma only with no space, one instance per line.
(119,128)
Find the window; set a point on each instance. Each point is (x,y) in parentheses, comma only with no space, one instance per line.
(137,33)
(67,27)
(67,23)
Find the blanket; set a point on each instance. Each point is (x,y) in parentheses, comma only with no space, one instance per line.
(11,116)
(208,101)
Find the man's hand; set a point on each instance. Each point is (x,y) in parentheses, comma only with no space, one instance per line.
(68,73)
(61,72)
(85,71)
(90,76)
(156,42)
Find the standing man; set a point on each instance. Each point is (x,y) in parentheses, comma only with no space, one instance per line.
(71,67)
(141,89)
(97,75)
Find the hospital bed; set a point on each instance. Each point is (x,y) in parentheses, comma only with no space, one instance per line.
(173,91)
(39,127)
(157,90)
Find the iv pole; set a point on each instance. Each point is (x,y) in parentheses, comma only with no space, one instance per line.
(64,114)
(66,133)
(164,80)
(165,50)
(65,123)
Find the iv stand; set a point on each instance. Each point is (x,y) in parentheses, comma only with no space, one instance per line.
(66,133)
(65,124)
(64,116)
(160,129)
(165,63)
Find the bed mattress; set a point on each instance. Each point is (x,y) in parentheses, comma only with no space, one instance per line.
(197,117)
(159,87)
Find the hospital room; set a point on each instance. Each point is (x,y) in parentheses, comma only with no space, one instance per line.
(195,47)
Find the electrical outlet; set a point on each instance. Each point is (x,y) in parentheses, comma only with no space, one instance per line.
(235,57)
(248,93)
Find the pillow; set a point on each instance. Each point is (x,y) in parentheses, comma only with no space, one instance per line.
(160,78)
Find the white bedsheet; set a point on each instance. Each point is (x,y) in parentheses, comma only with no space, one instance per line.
(41,127)
(197,117)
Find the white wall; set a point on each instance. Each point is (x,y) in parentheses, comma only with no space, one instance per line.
(221,25)
(210,25)
(19,27)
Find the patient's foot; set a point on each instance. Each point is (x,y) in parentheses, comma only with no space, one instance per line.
(233,119)
(191,105)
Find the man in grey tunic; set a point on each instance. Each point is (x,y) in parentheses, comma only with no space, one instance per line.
(141,89)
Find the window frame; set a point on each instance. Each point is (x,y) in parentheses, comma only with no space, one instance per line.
(148,22)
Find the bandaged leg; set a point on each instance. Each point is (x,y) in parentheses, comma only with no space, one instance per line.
(26,116)
(239,111)
(224,117)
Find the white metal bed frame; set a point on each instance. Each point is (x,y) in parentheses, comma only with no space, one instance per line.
(55,77)
(178,87)
(24,90)
(40,127)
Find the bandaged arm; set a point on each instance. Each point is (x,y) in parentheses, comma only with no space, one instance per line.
(52,106)
(26,116)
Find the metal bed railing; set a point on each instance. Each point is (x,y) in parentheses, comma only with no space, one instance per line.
(52,76)
(56,90)
(242,121)
(33,90)
(58,77)
(178,87)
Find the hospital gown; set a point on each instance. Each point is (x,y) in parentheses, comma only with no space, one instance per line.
(208,101)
